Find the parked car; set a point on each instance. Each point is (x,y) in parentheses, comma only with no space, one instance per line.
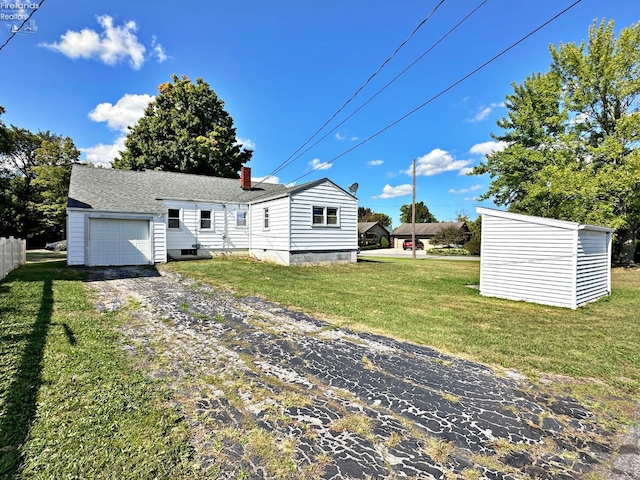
(406,245)
(60,246)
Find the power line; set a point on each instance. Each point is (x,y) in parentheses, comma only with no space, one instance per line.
(15,32)
(442,92)
(415,30)
(291,160)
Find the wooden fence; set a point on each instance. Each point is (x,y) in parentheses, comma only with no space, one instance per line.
(13,253)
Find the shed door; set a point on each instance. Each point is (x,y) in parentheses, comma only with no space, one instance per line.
(115,241)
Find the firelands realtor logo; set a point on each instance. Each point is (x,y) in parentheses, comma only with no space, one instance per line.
(16,15)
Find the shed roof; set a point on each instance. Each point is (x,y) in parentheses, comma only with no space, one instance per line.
(551,222)
(426,229)
(143,191)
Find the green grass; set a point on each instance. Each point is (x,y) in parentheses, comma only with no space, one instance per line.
(430,303)
(72,405)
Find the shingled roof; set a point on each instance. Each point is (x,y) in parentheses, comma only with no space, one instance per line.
(143,191)
(426,229)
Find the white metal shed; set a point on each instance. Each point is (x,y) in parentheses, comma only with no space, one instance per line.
(543,260)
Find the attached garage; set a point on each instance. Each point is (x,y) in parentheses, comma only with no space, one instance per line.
(543,260)
(114,241)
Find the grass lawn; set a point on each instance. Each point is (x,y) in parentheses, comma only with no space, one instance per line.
(430,303)
(72,404)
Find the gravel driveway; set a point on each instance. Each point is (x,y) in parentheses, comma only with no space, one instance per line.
(273,393)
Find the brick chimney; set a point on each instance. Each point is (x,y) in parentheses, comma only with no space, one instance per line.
(245,178)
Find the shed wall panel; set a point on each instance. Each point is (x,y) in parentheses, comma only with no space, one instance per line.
(523,261)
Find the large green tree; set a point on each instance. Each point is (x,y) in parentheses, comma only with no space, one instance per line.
(365,214)
(423,215)
(184,129)
(34,182)
(571,137)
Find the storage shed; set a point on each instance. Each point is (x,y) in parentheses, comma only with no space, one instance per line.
(542,260)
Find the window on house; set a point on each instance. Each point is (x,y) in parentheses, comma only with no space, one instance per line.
(241,219)
(325,216)
(205,219)
(266,218)
(174,218)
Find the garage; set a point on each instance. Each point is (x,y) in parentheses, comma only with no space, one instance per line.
(115,241)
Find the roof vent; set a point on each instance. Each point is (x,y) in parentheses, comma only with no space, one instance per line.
(245,178)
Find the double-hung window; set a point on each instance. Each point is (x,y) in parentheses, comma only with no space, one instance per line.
(325,216)
(265,223)
(174,218)
(241,218)
(205,220)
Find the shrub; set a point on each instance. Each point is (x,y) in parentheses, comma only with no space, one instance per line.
(384,243)
(448,251)
(473,245)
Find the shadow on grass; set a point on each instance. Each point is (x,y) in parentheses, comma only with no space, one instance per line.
(20,405)
(366,260)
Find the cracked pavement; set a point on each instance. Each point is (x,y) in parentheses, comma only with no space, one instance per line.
(272,393)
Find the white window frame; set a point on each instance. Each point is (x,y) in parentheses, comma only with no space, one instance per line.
(325,216)
(179,218)
(210,227)
(265,218)
(244,223)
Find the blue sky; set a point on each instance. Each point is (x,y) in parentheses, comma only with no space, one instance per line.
(283,68)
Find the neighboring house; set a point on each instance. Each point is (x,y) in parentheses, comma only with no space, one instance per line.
(119,217)
(543,260)
(424,232)
(372,233)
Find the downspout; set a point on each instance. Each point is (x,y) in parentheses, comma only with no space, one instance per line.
(226,227)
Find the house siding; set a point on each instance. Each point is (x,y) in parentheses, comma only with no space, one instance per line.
(524,261)
(223,236)
(159,240)
(308,237)
(276,237)
(75,237)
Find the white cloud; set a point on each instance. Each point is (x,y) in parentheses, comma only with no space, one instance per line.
(466,190)
(486,148)
(104,154)
(316,164)
(247,142)
(375,163)
(126,112)
(158,50)
(392,192)
(435,162)
(112,45)
(267,179)
(484,112)
(340,137)
(465,171)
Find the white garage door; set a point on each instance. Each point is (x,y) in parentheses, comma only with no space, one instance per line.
(119,242)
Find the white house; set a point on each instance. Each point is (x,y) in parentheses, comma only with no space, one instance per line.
(542,260)
(119,217)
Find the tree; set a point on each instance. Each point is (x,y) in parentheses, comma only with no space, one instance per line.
(365,214)
(572,137)
(448,236)
(423,215)
(184,129)
(34,182)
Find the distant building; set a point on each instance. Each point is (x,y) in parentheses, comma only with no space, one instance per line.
(424,232)
(372,233)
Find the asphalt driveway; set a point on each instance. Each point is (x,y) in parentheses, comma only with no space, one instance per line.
(273,393)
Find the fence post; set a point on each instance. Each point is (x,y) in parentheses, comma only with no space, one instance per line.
(3,243)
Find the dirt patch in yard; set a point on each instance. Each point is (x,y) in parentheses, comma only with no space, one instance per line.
(273,393)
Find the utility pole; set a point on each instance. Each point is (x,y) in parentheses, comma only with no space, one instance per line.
(413,212)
